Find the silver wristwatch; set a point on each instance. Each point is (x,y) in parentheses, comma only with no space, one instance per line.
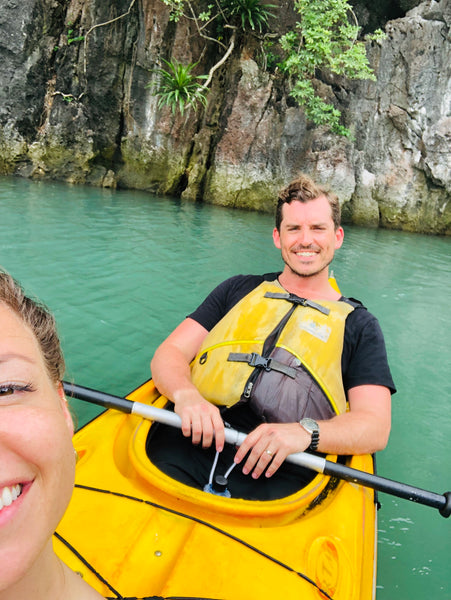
(312,428)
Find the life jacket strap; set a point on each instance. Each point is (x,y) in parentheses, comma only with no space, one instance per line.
(269,364)
(297,300)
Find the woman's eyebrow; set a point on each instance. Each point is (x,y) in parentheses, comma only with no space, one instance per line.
(10,356)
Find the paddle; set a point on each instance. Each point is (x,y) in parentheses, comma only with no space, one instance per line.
(442,502)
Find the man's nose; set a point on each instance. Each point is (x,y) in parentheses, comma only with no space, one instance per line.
(304,237)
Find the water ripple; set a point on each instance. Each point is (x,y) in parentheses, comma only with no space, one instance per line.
(121,269)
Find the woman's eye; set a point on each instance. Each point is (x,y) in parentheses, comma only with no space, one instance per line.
(8,389)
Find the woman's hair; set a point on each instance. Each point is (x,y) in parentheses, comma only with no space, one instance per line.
(39,319)
(304,189)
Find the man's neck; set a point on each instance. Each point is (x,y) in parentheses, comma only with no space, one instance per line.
(316,287)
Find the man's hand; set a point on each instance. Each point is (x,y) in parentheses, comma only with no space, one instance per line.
(172,376)
(200,419)
(364,429)
(270,444)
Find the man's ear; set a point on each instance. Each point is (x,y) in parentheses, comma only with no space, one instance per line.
(276,237)
(339,237)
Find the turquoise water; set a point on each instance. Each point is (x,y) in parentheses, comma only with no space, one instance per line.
(120,269)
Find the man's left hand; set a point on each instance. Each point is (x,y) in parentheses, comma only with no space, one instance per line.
(269,445)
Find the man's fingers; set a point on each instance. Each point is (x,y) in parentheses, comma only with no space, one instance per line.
(258,459)
(186,424)
(276,462)
(265,449)
(203,423)
(246,446)
(218,425)
(196,428)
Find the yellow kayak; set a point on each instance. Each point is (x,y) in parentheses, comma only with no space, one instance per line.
(133,532)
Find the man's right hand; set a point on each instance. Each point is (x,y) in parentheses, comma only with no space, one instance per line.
(200,419)
(172,376)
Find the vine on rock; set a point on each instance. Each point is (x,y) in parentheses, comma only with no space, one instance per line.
(72,38)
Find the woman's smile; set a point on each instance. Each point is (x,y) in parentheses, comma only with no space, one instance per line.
(9,494)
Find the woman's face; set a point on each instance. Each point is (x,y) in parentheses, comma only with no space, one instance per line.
(36,454)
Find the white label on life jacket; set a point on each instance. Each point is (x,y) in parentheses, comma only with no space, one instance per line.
(322,332)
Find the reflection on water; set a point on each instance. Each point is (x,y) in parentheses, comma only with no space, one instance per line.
(121,269)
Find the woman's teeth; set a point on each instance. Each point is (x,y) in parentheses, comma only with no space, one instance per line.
(9,494)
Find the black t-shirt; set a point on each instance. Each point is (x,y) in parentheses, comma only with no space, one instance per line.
(364,356)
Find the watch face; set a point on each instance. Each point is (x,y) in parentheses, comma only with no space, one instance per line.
(309,424)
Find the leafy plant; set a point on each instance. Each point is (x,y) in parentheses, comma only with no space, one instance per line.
(325,39)
(316,109)
(177,8)
(251,13)
(179,88)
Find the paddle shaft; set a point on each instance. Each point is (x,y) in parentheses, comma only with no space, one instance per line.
(442,502)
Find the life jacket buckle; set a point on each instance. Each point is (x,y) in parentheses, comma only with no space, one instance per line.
(259,361)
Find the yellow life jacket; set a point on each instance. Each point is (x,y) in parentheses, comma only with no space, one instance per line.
(277,351)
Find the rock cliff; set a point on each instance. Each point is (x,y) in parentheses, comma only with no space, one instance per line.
(74,106)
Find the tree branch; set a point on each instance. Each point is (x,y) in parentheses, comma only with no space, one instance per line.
(199,29)
(222,61)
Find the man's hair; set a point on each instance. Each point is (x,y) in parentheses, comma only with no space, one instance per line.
(39,319)
(304,189)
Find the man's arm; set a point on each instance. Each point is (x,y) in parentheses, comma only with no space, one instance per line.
(363,429)
(171,374)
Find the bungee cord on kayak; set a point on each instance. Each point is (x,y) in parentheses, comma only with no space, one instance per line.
(117,595)
(217,484)
(87,564)
(185,516)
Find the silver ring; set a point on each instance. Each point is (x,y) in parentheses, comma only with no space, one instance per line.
(269,452)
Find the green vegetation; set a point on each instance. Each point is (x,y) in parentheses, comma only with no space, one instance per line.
(218,23)
(72,37)
(325,39)
(250,13)
(178,87)
(322,39)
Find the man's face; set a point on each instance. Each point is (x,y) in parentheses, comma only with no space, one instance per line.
(307,237)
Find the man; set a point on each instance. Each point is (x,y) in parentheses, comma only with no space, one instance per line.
(350,397)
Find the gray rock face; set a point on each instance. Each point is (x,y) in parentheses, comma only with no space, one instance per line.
(403,131)
(74,106)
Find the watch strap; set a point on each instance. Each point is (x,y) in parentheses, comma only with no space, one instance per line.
(311,427)
(315,440)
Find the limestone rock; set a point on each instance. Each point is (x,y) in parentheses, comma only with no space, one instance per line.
(75,106)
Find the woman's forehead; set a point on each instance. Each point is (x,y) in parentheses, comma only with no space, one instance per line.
(16,338)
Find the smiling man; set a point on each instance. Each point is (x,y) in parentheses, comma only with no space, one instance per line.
(282,356)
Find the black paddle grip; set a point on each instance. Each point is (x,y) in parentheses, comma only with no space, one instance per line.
(96,397)
(445,511)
